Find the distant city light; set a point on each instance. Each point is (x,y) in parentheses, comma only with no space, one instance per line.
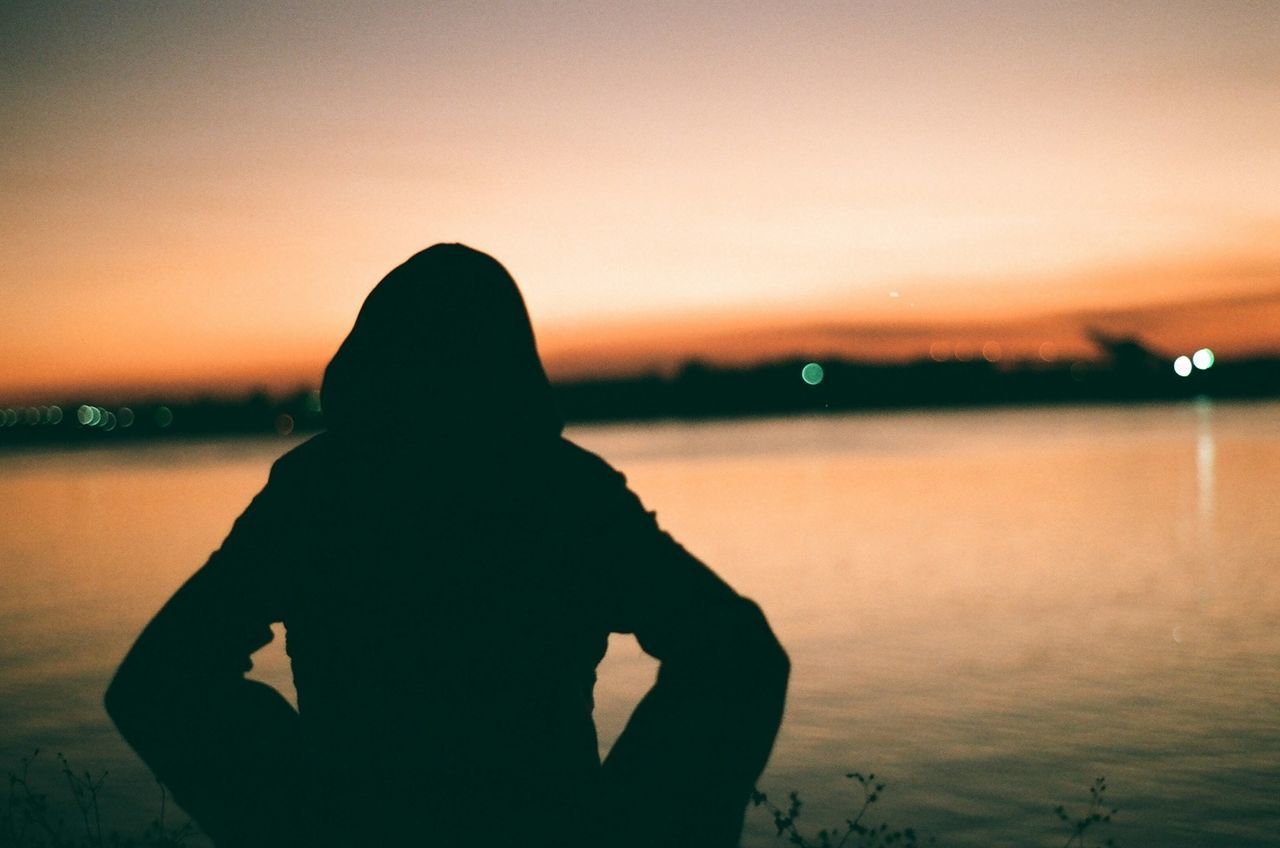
(1202,359)
(1182,366)
(811,373)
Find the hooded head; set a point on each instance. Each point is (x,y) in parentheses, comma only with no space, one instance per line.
(442,346)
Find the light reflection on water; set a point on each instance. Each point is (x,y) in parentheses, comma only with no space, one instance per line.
(988,609)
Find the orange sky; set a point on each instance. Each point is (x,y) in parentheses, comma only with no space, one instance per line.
(202,196)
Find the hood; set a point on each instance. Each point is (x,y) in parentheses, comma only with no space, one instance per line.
(442,346)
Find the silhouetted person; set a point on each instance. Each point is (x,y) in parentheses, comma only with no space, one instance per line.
(448,568)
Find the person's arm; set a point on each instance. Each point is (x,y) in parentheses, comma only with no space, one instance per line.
(226,747)
(683,769)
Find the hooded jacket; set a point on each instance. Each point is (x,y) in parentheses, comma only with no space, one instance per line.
(448,568)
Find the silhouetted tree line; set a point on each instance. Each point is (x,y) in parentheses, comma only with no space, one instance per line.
(703,391)
(1128,373)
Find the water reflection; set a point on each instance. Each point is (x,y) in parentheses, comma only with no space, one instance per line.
(988,609)
(1206,451)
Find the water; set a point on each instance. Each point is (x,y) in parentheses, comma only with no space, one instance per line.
(987,608)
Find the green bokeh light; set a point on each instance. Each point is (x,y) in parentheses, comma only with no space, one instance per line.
(811,373)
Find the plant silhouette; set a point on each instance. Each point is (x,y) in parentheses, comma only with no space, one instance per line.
(1098,813)
(30,820)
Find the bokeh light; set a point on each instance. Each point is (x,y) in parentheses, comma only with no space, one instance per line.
(1202,359)
(1182,366)
(811,373)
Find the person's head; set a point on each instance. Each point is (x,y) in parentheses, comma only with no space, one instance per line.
(442,344)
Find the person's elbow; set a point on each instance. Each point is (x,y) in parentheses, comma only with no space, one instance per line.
(766,654)
(140,693)
(125,699)
(742,652)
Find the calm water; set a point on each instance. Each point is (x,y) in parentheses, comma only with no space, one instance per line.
(988,609)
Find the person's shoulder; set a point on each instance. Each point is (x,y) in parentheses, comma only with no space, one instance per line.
(305,463)
(306,451)
(589,483)
(582,466)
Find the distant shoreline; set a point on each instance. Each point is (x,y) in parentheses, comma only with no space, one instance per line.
(1130,374)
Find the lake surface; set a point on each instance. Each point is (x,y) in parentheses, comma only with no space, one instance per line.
(986,608)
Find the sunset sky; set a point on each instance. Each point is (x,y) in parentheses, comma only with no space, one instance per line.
(202,194)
